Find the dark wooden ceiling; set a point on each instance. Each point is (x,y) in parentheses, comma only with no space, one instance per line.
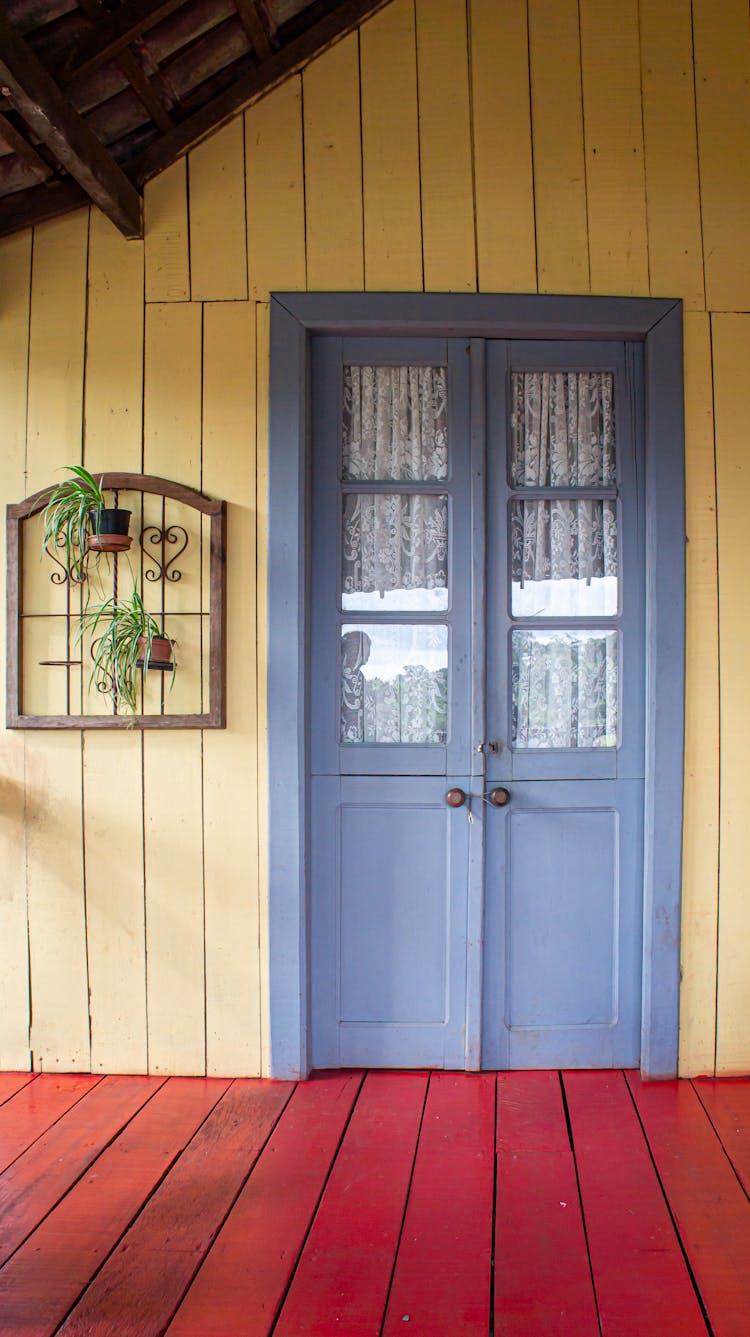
(97,96)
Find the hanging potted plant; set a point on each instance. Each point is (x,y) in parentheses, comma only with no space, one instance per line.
(126,638)
(77,518)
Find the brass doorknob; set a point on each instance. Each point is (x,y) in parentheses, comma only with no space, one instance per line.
(455,798)
(499,797)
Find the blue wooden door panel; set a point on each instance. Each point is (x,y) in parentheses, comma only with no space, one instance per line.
(388,922)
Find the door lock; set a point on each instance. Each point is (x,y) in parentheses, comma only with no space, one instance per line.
(487,747)
(498,797)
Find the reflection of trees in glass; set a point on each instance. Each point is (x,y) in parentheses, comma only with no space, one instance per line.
(564,689)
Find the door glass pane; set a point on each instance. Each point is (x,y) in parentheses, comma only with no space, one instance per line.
(562,429)
(395,552)
(395,423)
(394,684)
(564,688)
(563,558)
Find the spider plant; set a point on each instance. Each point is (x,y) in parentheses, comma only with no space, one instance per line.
(67,520)
(122,633)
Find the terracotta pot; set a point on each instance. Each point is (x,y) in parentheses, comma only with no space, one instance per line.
(160,656)
(109,530)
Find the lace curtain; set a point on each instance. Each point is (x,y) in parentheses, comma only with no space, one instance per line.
(411,706)
(564,689)
(395,423)
(394,542)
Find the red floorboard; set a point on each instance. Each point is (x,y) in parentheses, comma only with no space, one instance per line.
(341,1283)
(243,1281)
(10,1082)
(708,1203)
(35,1108)
(137,1291)
(45,1278)
(727,1102)
(542,1275)
(442,1278)
(641,1280)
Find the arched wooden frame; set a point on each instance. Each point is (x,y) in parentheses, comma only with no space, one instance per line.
(215,717)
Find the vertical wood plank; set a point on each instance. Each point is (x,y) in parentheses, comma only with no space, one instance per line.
(445,147)
(504,188)
(671,151)
(731,348)
(173,759)
(166,233)
(15,285)
(722,82)
(230,757)
(390,150)
(333,169)
(55,877)
(275,192)
(112,764)
(700,851)
(218,247)
(616,193)
(559,166)
(263,352)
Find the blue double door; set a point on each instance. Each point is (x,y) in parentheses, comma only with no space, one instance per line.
(477,704)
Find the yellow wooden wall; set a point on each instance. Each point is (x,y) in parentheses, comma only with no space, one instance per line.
(564,146)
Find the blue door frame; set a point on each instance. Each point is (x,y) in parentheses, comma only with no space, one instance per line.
(295,318)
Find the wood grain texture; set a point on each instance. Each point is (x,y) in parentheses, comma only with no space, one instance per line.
(244,1278)
(615,184)
(390,150)
(673,203)
(38,1286)
(722,84)
(173,836)
(700,849)
(638,1289)
(143,1281)
(542,1275)
(708,1204)
(55,880)
(448,244)
(112,764)
(501,119)
(442,1274)
(559,163)
(230,757)
(166,236)
(345,1267)
(15,285)
(216,191)
(731,350)
(274,173)
(35,1108)
(333,169)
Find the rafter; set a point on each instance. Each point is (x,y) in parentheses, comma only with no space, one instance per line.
(115,32)
(25,151)
(252,22)
(35,95)
(133,71)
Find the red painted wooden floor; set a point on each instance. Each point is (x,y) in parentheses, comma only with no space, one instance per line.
(453,1205)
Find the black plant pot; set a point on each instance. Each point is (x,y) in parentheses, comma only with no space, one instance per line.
(109,529)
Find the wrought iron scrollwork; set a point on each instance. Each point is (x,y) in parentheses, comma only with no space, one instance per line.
(63,576)
(164,569)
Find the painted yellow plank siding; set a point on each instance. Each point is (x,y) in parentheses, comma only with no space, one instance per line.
(445,147)
(558,146)
(166,228)
(230,757)
(504,182)
(731,350)
(700,876)
(390,150)
(275,192)
(333,170)
(112,763)
(430,129)
(15,286)
(613,135)
(218,242)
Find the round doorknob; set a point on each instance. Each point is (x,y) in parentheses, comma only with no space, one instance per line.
(455,798)
(499,797)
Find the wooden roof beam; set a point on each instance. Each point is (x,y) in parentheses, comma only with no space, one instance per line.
(115,32)
(25,151)
(252,22)
(35,95)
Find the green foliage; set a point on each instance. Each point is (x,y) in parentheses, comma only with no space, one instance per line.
(66,517)
(116,627)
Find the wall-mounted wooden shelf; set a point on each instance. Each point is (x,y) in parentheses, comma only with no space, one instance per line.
(177,563)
